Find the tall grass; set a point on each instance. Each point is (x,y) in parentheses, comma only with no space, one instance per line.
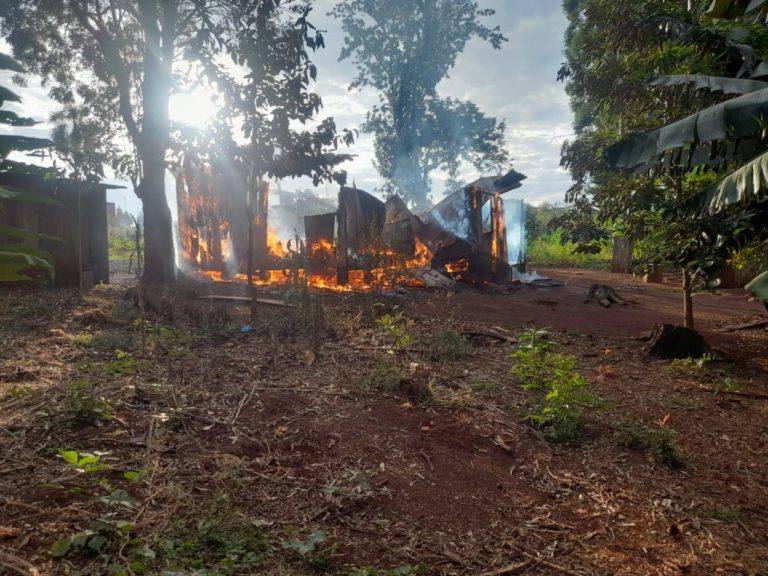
(548,251)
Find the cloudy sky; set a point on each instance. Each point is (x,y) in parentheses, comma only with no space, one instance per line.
(516,84)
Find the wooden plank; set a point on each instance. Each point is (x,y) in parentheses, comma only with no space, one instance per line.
(747,326)
(224,298)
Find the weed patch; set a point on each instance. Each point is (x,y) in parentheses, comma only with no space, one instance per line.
(725,514)
(656,439)
(222,543)
(447,345)
(383,377)
(83,405)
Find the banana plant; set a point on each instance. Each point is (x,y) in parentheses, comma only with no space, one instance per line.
(17,259)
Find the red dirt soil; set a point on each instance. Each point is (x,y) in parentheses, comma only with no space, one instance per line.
(461,482)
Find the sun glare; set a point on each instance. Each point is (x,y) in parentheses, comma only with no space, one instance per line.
(195,108)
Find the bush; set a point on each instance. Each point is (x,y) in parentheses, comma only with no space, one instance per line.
(536,365)
(548,251)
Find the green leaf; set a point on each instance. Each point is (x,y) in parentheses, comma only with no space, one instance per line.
(29,251)
(80,539)
(88,459)
(146,552)
(61,547)
(12,119)
(7,62)
(712,83)
(122,497)
(132,475)
(7,95)
(97,542)
(125,527)
(736,118)
(13,232)
(20,195)
(12,143)
(99,468)
(70,456)
(758,287)
(746,184)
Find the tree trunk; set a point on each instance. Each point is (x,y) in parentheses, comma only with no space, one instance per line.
(159,263)
(687,299)
(622,256)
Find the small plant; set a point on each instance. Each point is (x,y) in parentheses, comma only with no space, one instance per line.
(312,550)
(383,377)
(397,328)
(448,345)
(726,514)
(122,552)
(657,439)
(82,405)
(17,392)
(83,462)
(109,538)
(537,365)
(561,416)
(222,543)
(484,385)
(532,358)
(686,366)
(727,384)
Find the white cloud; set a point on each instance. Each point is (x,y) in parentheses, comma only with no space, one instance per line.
(516,84)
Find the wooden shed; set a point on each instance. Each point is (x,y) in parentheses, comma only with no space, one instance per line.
(77,219)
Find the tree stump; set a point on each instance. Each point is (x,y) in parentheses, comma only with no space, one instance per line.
(669,341)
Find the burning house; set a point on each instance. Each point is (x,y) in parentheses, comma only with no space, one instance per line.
(364,243)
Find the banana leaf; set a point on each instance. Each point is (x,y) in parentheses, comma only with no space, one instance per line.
(19,195)
(725,9)
(13,119)
(736,118)
(758,287)
(712,83)
(30,251)
(13,232)
(10,143)
(13,264)
(760,71)
(746,184)
(8,63)
(7,95)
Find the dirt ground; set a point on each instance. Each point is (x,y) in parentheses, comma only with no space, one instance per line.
(294,430)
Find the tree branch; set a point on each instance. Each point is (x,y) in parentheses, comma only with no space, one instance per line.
(111,51)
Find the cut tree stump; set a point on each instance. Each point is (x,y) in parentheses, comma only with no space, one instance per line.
(669,342)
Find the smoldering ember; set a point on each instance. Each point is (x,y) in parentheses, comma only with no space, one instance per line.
(383,288)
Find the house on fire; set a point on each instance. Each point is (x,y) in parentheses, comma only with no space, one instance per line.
(470,233)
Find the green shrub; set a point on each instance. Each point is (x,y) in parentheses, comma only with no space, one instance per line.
(382,377)
(656,439)
(548,251)
(82,405)
(536,365)
(397,329)
(447,345)
(220,543)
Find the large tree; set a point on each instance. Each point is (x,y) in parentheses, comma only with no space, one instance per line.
(403,49)
(614,52)
(114,64)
